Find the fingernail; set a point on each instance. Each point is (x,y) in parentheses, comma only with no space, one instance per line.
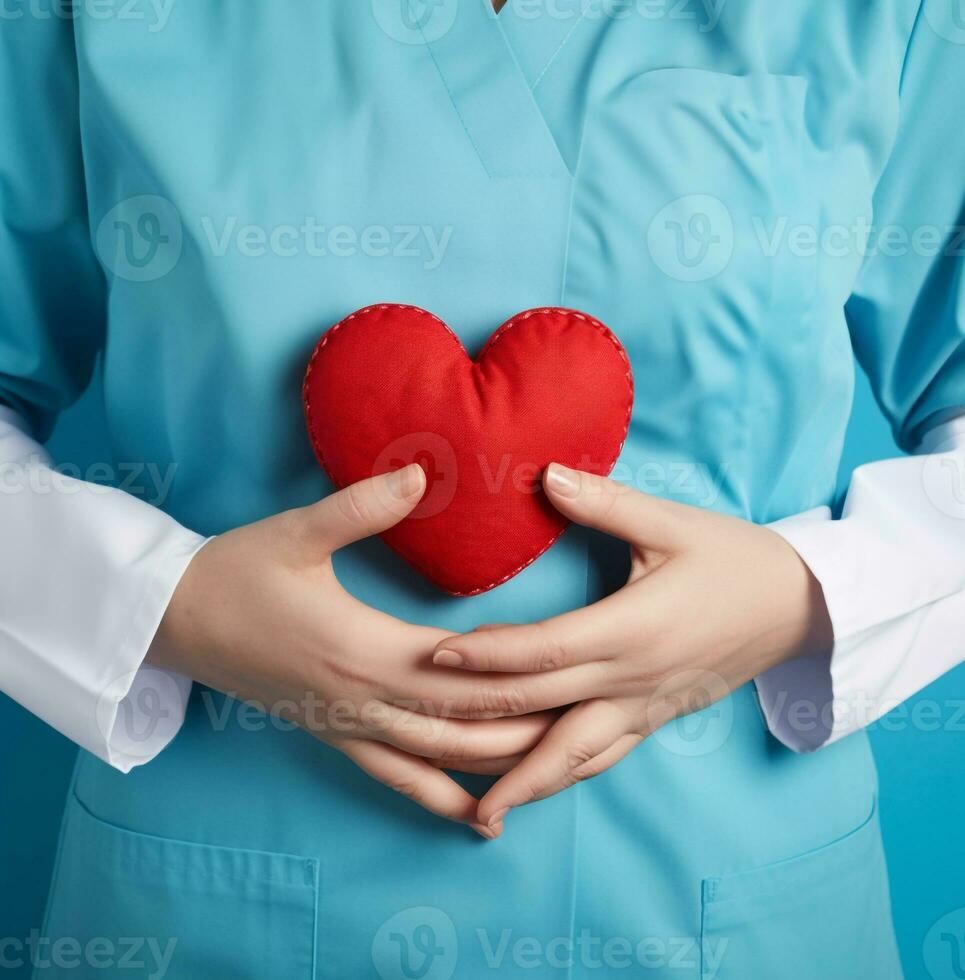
(448,658)
(483,831)
(405,482)
(562,480)
(497,817)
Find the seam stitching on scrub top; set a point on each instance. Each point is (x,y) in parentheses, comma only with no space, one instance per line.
(500,332)
(465,128)
(548,134)
(244,855)
(562,44)
(455,105)
(571,207)
(577,814)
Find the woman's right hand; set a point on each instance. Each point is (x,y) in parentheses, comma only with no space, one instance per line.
(259,615)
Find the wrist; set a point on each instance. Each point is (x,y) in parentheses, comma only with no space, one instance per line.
(180,627)
(808,624)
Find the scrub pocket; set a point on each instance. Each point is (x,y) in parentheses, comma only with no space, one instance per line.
(692,194)
(692,189)
(825,915)
(129,904)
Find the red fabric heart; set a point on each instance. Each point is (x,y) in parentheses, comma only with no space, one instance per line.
(391,385)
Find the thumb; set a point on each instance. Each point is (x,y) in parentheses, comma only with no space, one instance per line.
(615,508)
(368,507)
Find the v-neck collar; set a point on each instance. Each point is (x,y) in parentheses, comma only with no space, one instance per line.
(491,91)
(537,33)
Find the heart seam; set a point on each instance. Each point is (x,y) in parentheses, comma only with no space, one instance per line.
(504,329)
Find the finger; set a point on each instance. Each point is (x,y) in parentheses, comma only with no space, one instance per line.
(366,508)
(483,767)
(617,509)
(586,741)
(441,693)
(593,633)
(456,740)
(417,780)
(451,694)
(465,694)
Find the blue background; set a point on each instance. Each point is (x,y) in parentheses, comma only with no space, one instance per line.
(920,765)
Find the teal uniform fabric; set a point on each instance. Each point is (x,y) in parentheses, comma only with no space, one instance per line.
(198,190)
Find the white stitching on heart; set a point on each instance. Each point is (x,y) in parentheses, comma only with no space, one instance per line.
(505,328)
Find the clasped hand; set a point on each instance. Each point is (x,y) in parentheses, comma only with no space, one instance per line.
(260,615)
(711,602)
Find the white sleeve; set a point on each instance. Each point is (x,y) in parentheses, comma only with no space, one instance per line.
(893,574)
(86,574)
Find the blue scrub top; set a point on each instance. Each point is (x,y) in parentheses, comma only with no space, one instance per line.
(745,195)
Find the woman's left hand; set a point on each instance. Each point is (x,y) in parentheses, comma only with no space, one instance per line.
(711,602)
